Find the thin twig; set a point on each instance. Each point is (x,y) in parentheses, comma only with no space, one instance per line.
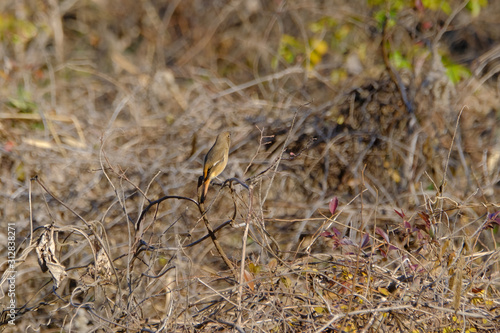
(244,252)
(443,183)
(60,201)
(216,242)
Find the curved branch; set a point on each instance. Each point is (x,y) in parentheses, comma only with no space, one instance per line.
(152,203)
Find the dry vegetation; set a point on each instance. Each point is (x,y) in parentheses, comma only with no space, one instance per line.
(108,110)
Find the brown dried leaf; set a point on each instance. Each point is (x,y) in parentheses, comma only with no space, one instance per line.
(46,252)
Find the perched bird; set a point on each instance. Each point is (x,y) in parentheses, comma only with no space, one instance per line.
(215,161)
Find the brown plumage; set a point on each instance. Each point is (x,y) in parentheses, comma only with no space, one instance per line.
(215,161)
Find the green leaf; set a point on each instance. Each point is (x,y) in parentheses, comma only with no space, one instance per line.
(15,30)
(322,24)
(474,6)
(399,61)
(289,48)
(437,5)
(456,72)
(23,101)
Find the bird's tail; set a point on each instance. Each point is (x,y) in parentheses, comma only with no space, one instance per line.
(204,190)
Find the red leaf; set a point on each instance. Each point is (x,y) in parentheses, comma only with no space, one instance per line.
(365,241)
(407,225)
(334,234)
(326,234)
(346,241)
(401,214)
(383,234)
(333,205)
(336,231)
(424,216)
(9,145)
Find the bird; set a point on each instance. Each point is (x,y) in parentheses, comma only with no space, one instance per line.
(215,161)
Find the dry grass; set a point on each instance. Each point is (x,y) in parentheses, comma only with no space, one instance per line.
(108,112)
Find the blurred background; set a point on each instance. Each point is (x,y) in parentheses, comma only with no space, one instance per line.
(383,104)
